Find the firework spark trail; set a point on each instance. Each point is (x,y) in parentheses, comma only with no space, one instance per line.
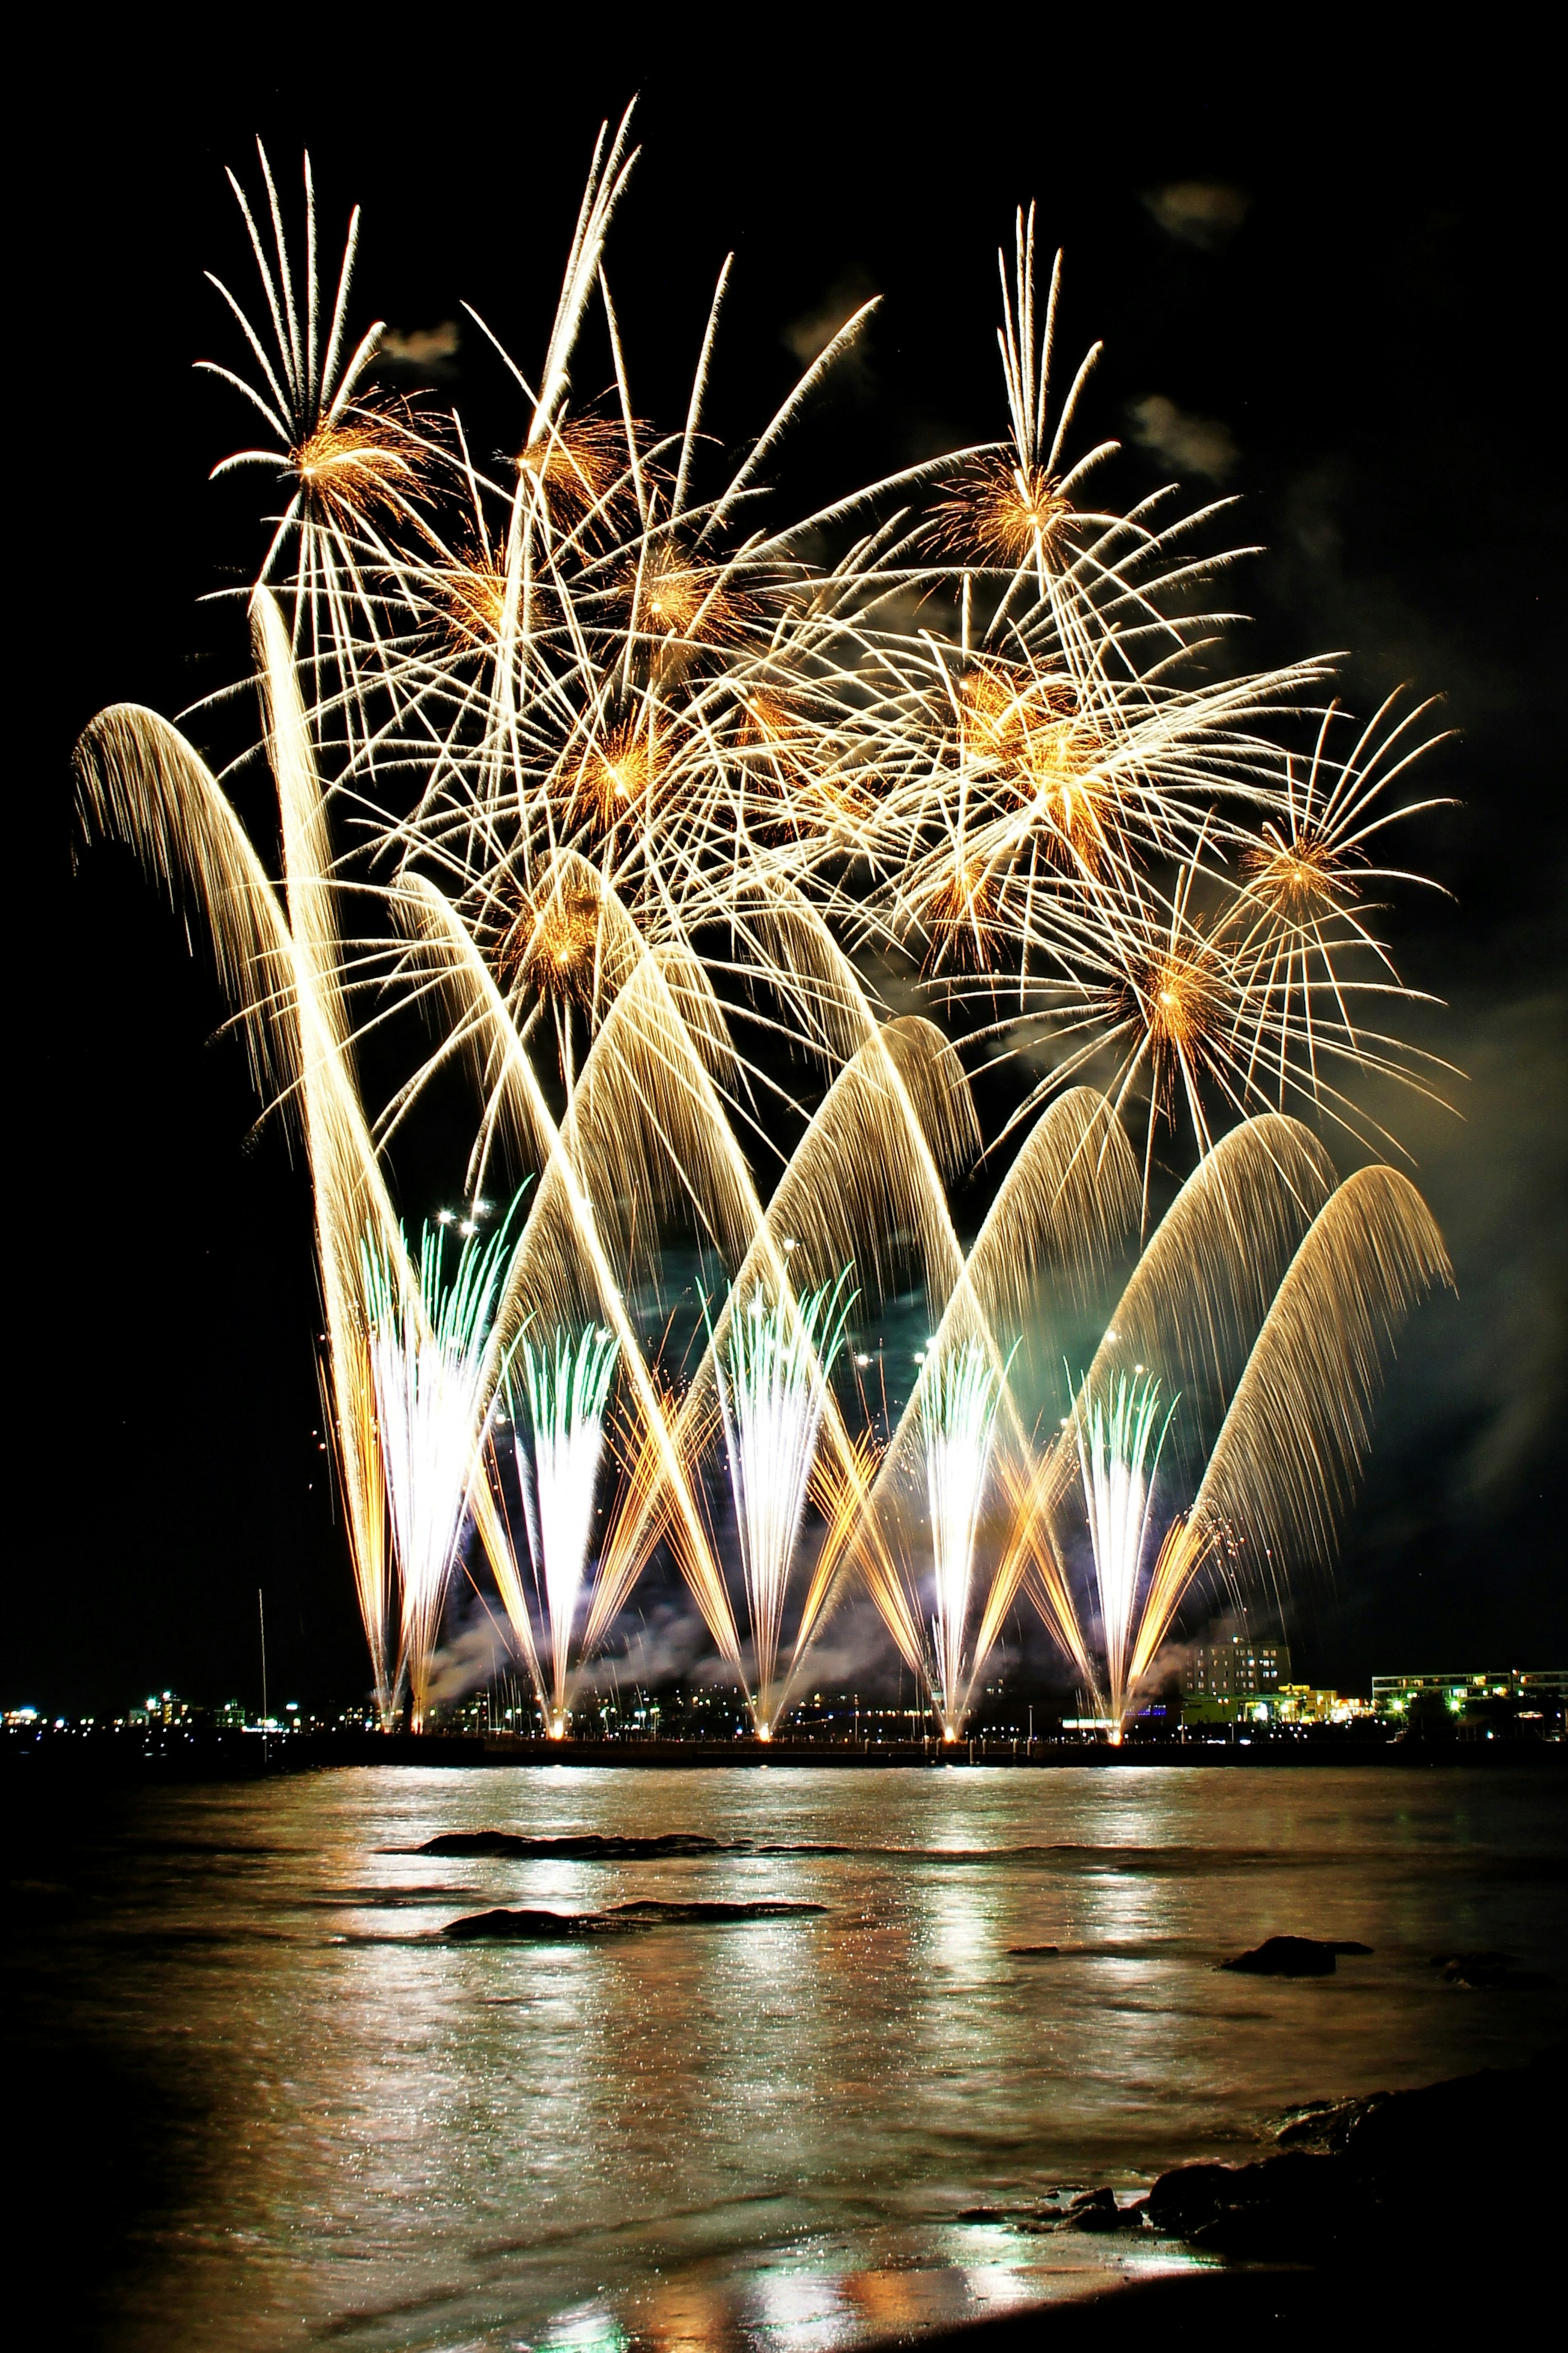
(773,1375)
(139,778)
(868,1170)
(1287,1459)
(644,772)
(959,1421)
(1066,1201)
(563,1245)
(436,1375)
(1115,1432)
(567,1390)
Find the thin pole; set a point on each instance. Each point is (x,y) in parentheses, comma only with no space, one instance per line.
(261,1620)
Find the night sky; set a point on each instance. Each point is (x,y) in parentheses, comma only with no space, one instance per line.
(1355,333)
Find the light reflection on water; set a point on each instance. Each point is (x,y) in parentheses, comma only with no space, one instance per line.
(750,2136)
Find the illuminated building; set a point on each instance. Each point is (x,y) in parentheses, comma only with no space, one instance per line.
(1538,1691)
(1230,1677)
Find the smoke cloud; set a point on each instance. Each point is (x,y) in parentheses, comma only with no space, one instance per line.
(809,335)
(422,347)
(472,1655)
(1204,212)
(1193,445)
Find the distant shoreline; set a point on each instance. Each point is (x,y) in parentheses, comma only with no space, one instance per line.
(245,1756)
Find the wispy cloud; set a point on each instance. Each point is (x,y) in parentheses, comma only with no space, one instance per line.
(1199,212)
(422,347)
(1193,445)
(810,335)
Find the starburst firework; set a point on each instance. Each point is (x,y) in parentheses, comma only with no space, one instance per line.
(635,786)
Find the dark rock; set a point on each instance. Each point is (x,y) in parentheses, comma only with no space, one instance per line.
(653,1909)
(1385,2177)
(588,1846)
(1488,1972)
(1033,1952)
(1097,2210)
(1286,1957)
(1190,2196)
(1325,2124)
(1281,2209)
(623,1919)
(543,1927)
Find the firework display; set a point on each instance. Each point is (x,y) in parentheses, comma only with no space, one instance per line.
(664,814)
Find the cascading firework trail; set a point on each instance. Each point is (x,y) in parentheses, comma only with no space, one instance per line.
(434,1372)
(771,1374)
(645,794)
(567,1387)
(959,1411)
(1115,1433)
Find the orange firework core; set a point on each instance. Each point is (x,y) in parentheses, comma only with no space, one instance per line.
(615,774)
(1296,878)
(553,944)
(354,465)
(1182,999)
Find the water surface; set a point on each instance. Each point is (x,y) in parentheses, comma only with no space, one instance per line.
(754,2134)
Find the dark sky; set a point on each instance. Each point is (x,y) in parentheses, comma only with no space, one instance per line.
(1362,355)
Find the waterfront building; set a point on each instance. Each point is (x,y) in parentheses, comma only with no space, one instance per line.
(1230,1675)
(1533,1691)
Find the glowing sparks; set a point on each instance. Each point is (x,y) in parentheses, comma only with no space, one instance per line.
(630,784)
(355,464)
(567,1389)
(616,773)
(553,944)
(772,1370)
(959,1412)
(1118,1453)
(435,1373)
(1006,513)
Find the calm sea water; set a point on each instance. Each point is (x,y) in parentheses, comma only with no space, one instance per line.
(760,2135)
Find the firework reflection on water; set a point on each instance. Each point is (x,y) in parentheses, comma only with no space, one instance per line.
(745,2135)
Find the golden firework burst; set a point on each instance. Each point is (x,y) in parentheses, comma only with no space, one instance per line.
(615,773)
(1179,998)
(579,462)
(349,467)
(1061,775)
(1004,512)
(1299,878)
(552,943)
(959,917)
(472,590)
(676,597)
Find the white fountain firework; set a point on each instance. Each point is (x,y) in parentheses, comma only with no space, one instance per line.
(959,1414)
(771,1374)
(433,1365)
(1115,1432)
(568,1387)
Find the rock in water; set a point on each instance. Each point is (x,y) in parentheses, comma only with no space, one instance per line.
(700,1912)
(1287,1957)
(543,1927)
(1489,1973)
(1097,2210)
(626,1919)
(583,1846)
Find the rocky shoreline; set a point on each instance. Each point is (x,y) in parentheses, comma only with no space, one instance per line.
(1437,2200)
